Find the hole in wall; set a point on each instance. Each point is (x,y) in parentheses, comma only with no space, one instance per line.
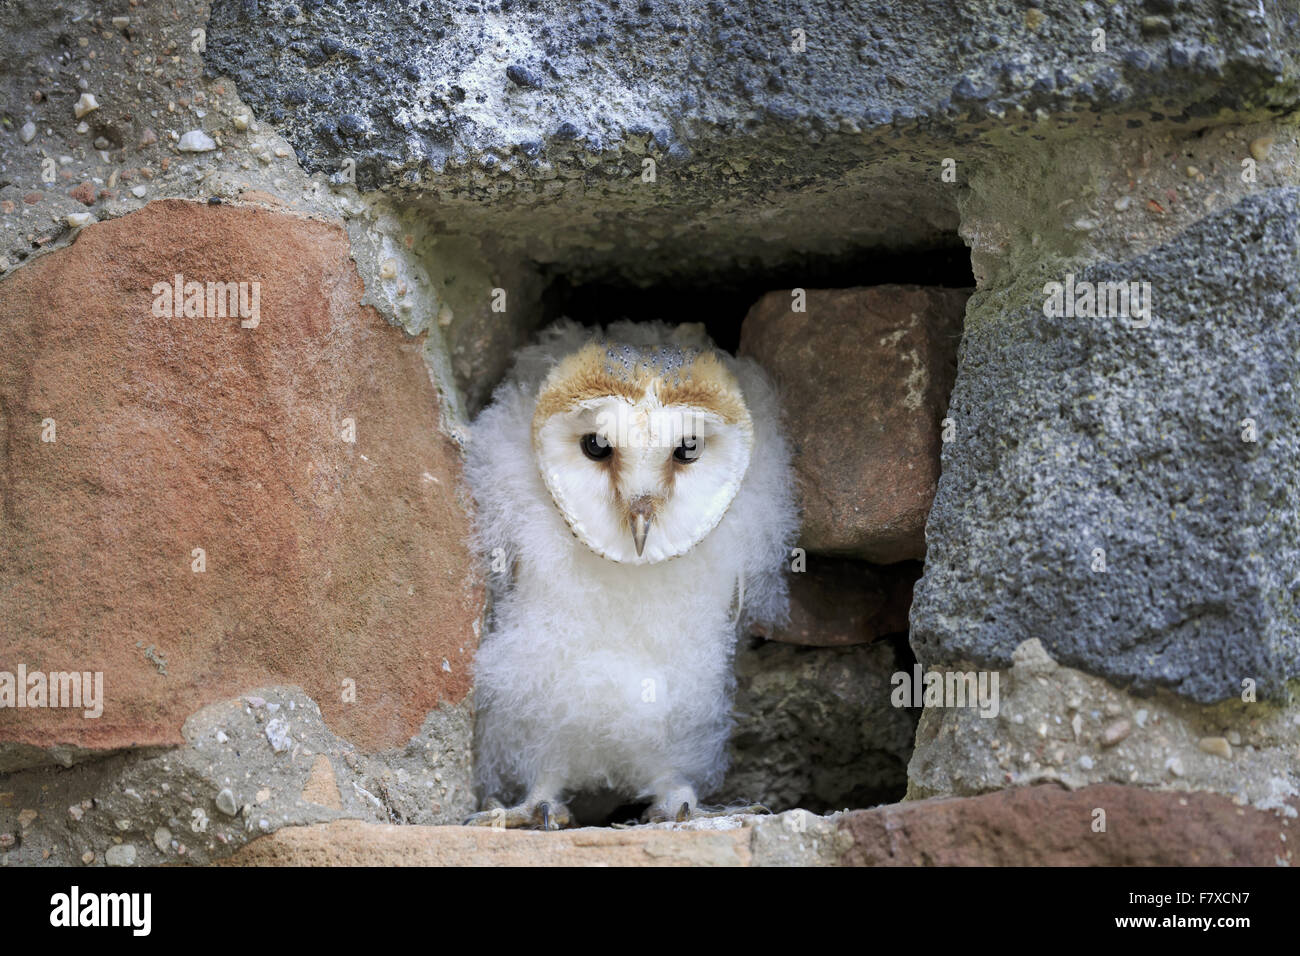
(811,743)
(721,300)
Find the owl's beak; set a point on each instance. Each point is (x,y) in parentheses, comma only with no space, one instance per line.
(641,512)
(640,525)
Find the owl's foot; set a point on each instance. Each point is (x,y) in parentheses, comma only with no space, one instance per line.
(531,814)
(680,805)
(662,813)
(687,811)
(673,804)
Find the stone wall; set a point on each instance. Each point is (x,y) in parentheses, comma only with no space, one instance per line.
(253,525)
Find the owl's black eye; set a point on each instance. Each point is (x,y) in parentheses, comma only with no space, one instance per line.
(596,447)
(689,450)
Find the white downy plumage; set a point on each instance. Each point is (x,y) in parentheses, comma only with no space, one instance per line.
(599,674)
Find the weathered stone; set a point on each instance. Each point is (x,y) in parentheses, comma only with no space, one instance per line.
(867,372)
(795,838)
(1032,826)
(761,157)
(225,786)
(834,603)
(1056,724)
(351,843)
(133,105)
(1128,493)
(764,146)
(327,563)
(1051,826)
(815,728)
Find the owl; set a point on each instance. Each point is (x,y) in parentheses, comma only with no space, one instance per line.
(636,507)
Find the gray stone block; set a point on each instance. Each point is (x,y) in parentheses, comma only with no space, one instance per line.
(1077,434)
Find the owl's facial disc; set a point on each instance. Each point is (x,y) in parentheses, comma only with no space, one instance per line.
(639,481)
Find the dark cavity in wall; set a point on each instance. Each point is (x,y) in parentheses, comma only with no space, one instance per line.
(815,727)
(721,300)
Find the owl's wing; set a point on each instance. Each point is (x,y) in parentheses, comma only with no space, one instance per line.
(495,446)
(763,521)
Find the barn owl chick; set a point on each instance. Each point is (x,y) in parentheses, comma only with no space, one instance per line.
(636,503)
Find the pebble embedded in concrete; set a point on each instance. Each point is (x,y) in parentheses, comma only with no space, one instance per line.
(1218,746)
(196,141)
(85,104)
(277,734)
(226,802)
(1116,732)
(122,855)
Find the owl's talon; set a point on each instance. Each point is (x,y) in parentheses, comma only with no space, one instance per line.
(538,814)
(659,813)
(753,809)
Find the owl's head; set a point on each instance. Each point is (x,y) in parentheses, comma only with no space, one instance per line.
(643,449)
